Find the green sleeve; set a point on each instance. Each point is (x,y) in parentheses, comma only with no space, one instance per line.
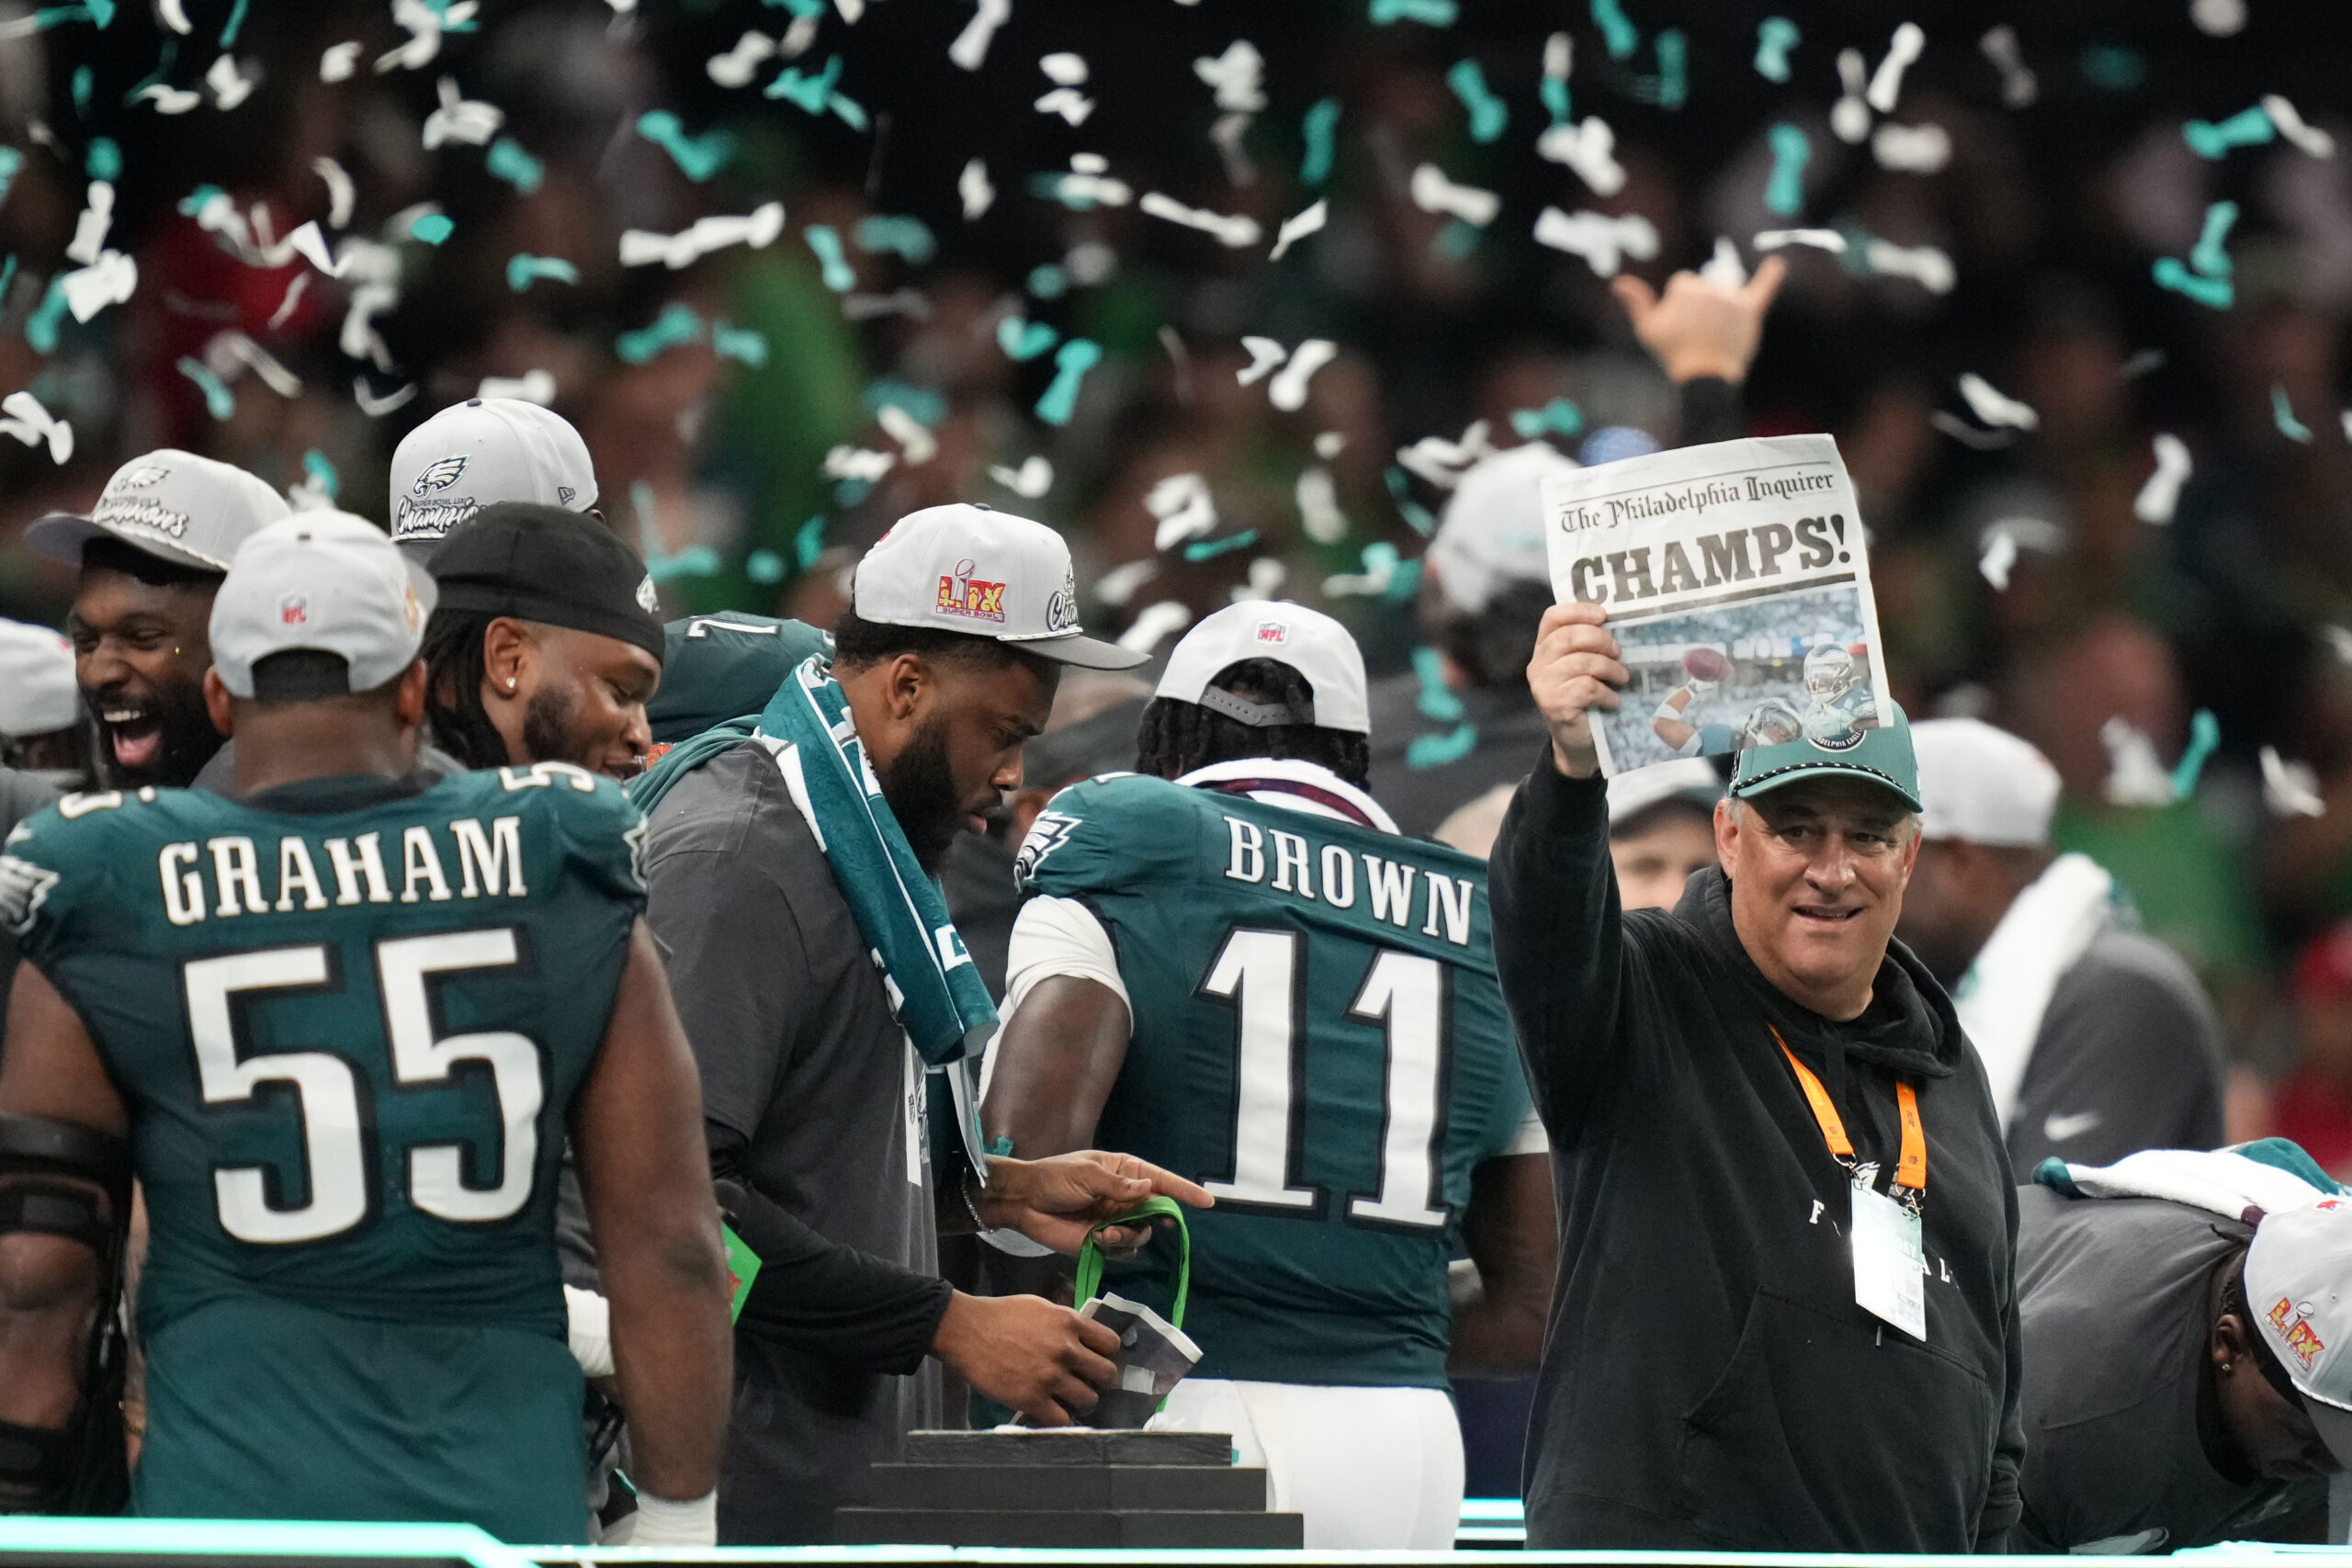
(55,866)
(604,836)
(1106,835)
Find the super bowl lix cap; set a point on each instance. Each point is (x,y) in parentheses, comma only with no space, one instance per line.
(981,572)
(2299,1289)
(174,506)
(325,582)
(482,451)
(1306,640)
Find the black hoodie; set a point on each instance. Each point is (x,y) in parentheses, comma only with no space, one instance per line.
(1708,1381)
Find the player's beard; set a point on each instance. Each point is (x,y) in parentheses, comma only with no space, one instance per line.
(185,739)
(547,728)
(922,791)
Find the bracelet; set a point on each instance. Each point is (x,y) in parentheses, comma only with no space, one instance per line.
(964,1187)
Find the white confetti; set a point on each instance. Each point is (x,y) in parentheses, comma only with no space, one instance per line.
(2340,641)
(851,10)
(1968,436)
(2134,775)
(231,86)
(1911,149)
(1724,269)
(846,462)
(2217,18)
(359,338)
(1068,102)
(1064,68)
(1992,407)
(1089,182)
(1287,390)
(1886,82)
(1233,232)
(1033,479)
(460,118)
(917,445)
(340,62)
(1264,355)
(1225,136)
(2020,87)
(1154,624)
(109,280)
(1319,505)
(1926,265)
(1849,118)
(911,302)
(1590,149)
(2309,138)
(294,292)
(1820,239)
(1442,462)
(90,227)
(32,425)
(375,407)
(1184,507)
(739,65)
(1330,444)
(424,26)
(530,387)
(2290,789)
(2161,495)
(1266,577)
(1433,192)
(973,189)
(759,228)
(229,353)
(1297,227)
(1559,56)
(341,194)
(1238,75)
(1997,555)
(174,16)
(312,246)
(169,99)
(1118,585)
(1603,241)
(971,45)
(797,37)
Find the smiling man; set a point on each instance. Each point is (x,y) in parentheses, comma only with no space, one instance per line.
(153,553)
(1786,1315)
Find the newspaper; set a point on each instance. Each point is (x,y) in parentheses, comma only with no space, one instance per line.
(1738,590)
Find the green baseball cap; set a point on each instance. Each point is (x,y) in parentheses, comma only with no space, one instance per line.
(1880,753)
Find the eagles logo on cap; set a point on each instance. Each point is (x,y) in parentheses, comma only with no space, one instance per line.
(140,477)
(439,475)
(648,597)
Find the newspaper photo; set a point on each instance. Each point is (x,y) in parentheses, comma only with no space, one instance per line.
(1738,590)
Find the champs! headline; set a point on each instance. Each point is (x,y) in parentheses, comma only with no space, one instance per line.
(1734,555)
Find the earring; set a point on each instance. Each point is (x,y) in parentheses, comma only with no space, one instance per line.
(509,683)
(2227,1366)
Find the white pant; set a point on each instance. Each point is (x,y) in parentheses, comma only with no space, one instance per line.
(1371,1469)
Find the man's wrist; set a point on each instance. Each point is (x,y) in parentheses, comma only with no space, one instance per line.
(1581,762)
(1693,367)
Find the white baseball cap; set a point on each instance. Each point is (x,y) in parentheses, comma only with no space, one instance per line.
(38,692)
(969,568)
(1309,641)
(1983,785)
(481,451)
(171,504)
(2298,1288)
(325,582)
(1686,778)
(1492,534)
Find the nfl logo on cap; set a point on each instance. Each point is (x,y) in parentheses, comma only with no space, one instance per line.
(294,610)
(1272,632)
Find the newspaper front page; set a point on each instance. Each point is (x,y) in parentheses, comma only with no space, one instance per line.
(1738,590)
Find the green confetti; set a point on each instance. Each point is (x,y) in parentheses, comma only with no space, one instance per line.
(1673,69)
(1456,240)
(1024,339)
(321,469)
(1489,114)
(193,204)
(2248,128)
(1071,363)
(907,237)
(1322,119)
(695,560)
(697,157)
(11,161)
(1616,30)
(104,160)
(1554,91)
(236,20)
(511,162)
(432,228)
(1437,750)
(809,541)
(1435,13)
(921,404)
(802,8)
(1558,416)
(847,111)
(1208,549)
(840,277)
(218,401)
(1048,282)
(676,324)
(746,345)
(2113,67)
(41,326)
(2216,292)
(84,80)
(2204,739)
(809,92)
(1775,36)
(764,567)
(1415,514)
(2210,257)
(1437,699)
(2282,413)
(523,269)
(1791,149)
(161,73)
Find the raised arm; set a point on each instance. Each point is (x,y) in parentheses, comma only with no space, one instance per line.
(637,1128)
(1515,1241)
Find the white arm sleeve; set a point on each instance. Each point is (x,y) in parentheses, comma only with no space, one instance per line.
(1528,1138)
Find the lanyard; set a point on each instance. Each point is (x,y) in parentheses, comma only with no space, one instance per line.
(1911,1169)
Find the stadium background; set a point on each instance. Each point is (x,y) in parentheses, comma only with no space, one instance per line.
(2052,214)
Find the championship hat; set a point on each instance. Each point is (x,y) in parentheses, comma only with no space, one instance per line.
(972,570)
(1308,642)
(1881,754)
(2299,1289)
(1492,534)
(481,451)
(326,582)
(38,692)
(1983,785)
(174,506)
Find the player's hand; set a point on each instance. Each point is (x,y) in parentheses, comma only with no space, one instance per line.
(1700,328)
(1042,1360)
(1055,1201)
(1575,670)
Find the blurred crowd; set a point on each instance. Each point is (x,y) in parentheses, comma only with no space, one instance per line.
(963,217)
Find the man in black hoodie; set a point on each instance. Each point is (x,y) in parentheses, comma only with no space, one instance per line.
(1785,1316)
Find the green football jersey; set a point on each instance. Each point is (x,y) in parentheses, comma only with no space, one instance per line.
(349,1035)
(1319,1040)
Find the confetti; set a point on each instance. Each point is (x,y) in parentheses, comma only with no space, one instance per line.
(1237,77)
(432,228)
(745,345)
(639,247)
(2134,775)
(1319,505)
(675,325)
(1233,233)
(1207,549)
(339,62)
(1926,265)
(531,386)
(90,227)
(426,21)
(1999,554)
(1433,192)
(1489,114)
(359,338)
(1184,507)
(739,65)
(1118,585)
(1064,68)
(2210,257)
(231,86)
(1437,750)
(1559,416)
(972,188)
(971,45)
(1673,85)
(1441,461)
(2290,789)
(2290,124)
(285,311)
(317,488)
(1024,339)
(1849,117)
(2216,292)
(1048,281)
(1225,136)
(1436,699)
(1603,241)
(1432,13)
(1296,227)
(523,269)
(174,16)
(33,424)
(840,277)
(1071,363)
(1087,186)
(218,401)
(2019,85)
(460,118)
(2217,18)
(1722,269)
(1775,36)
(1068,102)
(1287,390)
(229,354)
(168,99)
(1589,149)
(1618,33)
(1911,149)
(764,567)
(2339,640)
(2204,739)
(1886,82)
(375,407)
(1559,56)
(846,462)
(109,280)
(341,194)
(1992,407)
(1380,561)
(1784,192)
(2141,364)
(42,325)
(906,237)
(1033,479)
(1266,576)
(510,161)
(917,445)
(2282,414)
(697,157)
(1264,355)
(811,93)
(1154,623)
(1322,119)
(2248,128)
(2161,495)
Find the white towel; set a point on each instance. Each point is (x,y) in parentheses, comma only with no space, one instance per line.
(2001,998)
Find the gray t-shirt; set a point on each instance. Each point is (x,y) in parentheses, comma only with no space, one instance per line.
(812,1098)
(2112,1300)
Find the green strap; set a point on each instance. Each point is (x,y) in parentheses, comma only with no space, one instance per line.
(1090,1253)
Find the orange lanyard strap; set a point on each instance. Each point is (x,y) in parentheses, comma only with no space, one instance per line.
(1911,1167)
